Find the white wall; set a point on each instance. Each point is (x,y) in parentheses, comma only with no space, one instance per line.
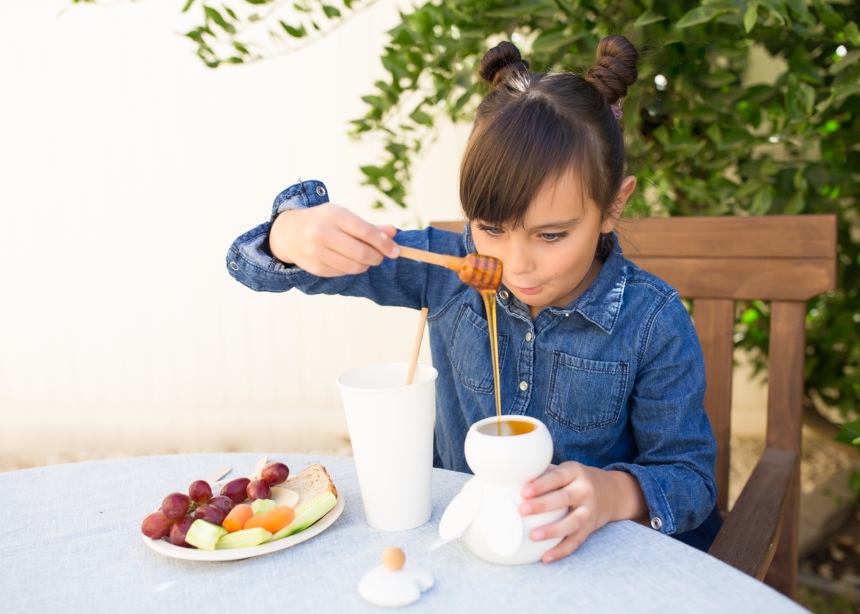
(126,170)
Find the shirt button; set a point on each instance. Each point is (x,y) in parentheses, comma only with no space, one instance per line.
(656,523)
(320,190)
(528,336)
(504,295)
(524,386)
(234,266)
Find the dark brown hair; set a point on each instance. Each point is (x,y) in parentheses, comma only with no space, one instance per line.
(534,127)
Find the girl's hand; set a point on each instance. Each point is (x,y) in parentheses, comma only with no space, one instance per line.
(330,241)
(595,498)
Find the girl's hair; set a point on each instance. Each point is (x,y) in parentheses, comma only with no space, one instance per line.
(535,127)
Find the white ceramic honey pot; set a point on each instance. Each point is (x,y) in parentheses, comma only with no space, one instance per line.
(486,511)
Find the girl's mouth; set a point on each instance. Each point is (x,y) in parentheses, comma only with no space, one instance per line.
(529,291)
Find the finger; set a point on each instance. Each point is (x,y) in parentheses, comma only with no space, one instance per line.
(389,230)
(553,479)
(566,547)
(568,525)
(353,225)
(553,500)
(354,249)
(333,264)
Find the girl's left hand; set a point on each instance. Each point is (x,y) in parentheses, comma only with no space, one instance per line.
(594,497)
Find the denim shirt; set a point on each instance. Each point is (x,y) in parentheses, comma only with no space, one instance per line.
(617,375)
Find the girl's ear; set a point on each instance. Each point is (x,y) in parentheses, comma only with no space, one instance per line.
(628,184)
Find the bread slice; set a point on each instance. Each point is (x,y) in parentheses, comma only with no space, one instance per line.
(309,483)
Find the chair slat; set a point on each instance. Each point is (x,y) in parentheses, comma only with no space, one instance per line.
(784,419)
(715,321)
(772,236)
(743,279)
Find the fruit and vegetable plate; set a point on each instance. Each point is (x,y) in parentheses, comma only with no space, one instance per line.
(245,516)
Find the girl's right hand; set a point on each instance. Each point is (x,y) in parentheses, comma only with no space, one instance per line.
(330,241)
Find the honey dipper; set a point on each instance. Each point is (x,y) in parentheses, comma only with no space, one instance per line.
(480,272)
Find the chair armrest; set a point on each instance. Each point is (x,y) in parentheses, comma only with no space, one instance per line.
(749,536)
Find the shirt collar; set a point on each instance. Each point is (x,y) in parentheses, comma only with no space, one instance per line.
(600,304)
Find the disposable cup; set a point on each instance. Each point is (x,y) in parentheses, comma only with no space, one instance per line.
(391,430)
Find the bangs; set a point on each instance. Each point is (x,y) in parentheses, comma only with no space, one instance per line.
(511,155)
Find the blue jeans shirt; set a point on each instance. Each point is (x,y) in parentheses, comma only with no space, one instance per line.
(617,375)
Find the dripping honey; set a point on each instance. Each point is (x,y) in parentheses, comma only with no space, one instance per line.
(489,297)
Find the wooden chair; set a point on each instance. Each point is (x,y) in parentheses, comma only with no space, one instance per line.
(715,261)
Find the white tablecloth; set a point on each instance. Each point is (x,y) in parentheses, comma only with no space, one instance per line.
(70,541)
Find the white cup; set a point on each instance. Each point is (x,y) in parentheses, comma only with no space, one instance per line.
(391,430)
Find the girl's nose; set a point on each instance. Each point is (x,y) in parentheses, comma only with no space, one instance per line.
(517,261)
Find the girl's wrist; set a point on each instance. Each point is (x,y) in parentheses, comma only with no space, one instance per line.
(624,497)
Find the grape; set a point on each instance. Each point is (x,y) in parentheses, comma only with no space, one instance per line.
(210,513)
(156,525)
(175,505)
(179,530)
(200,491)
(223,503)
(236,489)
(258,489)
(275,473)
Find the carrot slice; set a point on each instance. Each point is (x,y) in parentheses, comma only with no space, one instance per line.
(237,517)
(273,520)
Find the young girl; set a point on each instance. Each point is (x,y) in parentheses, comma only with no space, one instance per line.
(600,351)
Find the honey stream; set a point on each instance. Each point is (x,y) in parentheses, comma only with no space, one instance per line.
(489,297)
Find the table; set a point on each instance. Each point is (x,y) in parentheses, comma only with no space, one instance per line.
(70,541)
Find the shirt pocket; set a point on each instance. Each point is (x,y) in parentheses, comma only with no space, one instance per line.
(586,394)
(470,351)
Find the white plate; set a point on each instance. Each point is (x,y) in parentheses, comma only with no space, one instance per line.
(234,554)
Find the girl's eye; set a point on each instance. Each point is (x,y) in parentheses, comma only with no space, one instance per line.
(493,231)
(552,237)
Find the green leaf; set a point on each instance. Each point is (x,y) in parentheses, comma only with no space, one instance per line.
(703,14)
(377,102)
(646,18)
(762,202)
(295,32)
(844,62)
(844,91)
(551,41)
(186,7)
(420,117)
(330,11)
(852,33)
(796,204)
(751,16)
(219,20)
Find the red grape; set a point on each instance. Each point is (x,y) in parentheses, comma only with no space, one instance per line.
(223,503)
(258,489)
(179,530)
(210,513)
(175,505)
(275,473)
(156,525)
(200,491)
(235,490)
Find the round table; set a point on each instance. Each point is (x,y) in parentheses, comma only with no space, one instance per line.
(71,542)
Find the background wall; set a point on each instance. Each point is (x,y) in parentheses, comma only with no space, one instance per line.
(126,170)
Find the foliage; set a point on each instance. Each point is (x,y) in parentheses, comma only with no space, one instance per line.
(704,139)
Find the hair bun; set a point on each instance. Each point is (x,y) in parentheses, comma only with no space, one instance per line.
(499,62)
(615,69)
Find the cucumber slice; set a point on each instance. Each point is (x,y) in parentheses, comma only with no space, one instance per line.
(204,535)
(243,539)
(260,506)
(307,514)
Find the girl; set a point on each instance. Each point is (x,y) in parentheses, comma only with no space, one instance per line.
(600,351)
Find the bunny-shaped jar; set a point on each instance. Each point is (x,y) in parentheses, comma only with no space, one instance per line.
(503,455)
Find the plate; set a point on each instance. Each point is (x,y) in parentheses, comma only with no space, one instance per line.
(192,554)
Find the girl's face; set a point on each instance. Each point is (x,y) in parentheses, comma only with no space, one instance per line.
(549,260)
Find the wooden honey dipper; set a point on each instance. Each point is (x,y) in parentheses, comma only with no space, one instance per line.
(480,272)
